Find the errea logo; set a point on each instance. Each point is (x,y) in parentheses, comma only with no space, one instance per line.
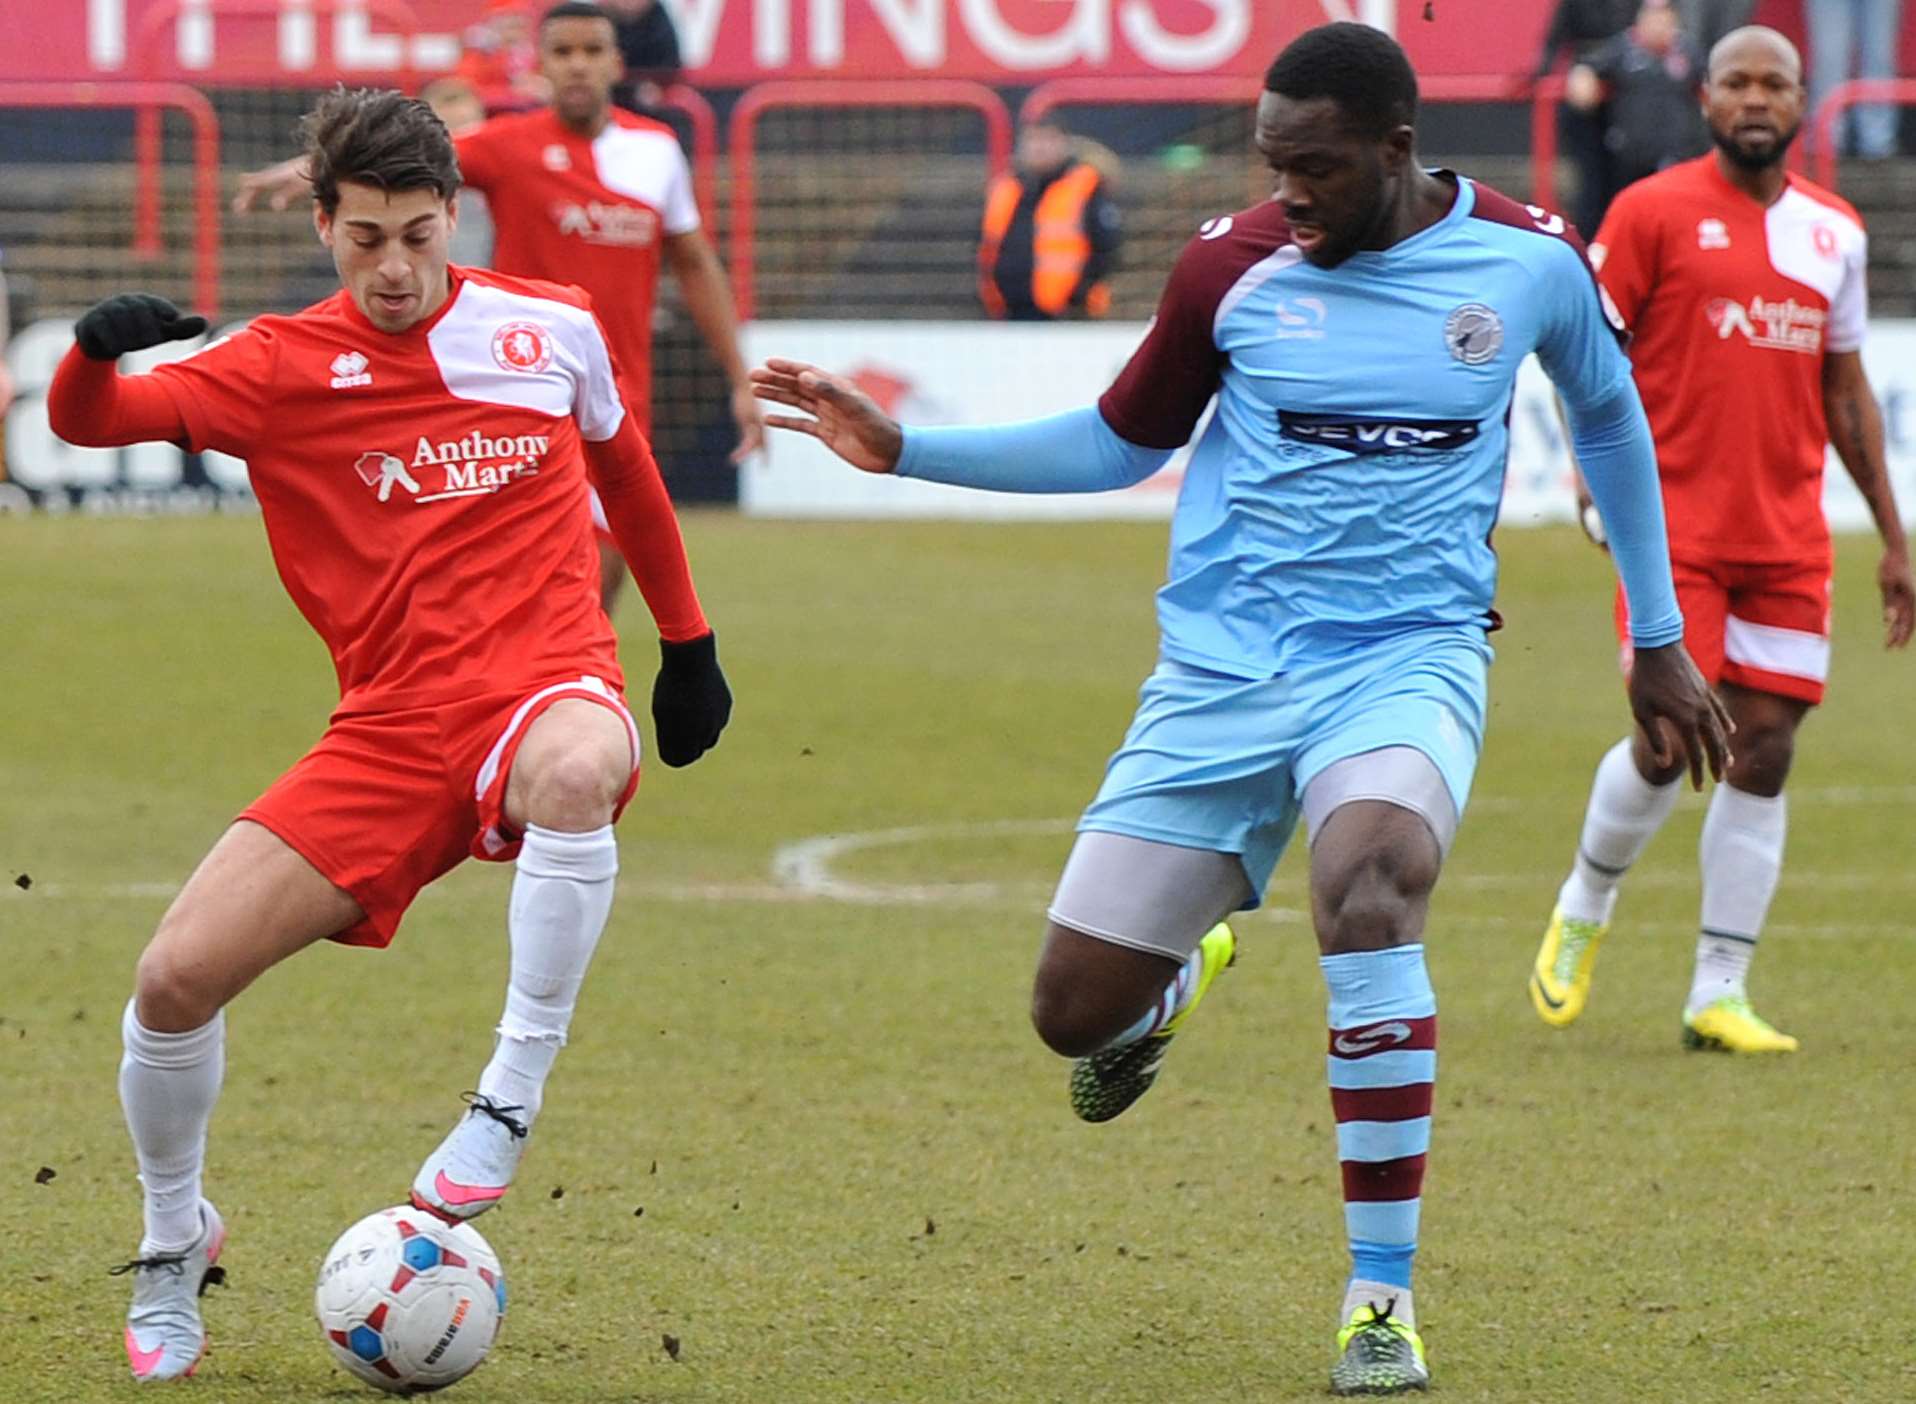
(349,371)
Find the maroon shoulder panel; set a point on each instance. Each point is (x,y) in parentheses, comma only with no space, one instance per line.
(1160,395)
(1499,208)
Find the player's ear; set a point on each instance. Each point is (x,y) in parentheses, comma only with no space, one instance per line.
(323,224)
(452,212)
(1400,148)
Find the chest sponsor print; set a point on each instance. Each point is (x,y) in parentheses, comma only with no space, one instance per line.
(597,222)
(1375,435)
(473,466)
(1775,326)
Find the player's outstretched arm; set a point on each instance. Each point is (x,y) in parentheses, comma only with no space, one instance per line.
(1076,451)
(279,185)
(89,402)
(1856,430)
(842,417)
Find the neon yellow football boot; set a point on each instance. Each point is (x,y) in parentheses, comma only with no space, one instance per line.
(1108,1081)
(1378,1354)
(1729,1025)
(1560,980)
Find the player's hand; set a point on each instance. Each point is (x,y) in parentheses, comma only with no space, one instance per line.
(1589,518)
(690,701)
(844,418)
(1893,578)
(751,423)
(6,386)
(132,322)
(281,184)
(1683,719)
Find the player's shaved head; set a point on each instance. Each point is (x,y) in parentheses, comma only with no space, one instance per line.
(1753,97)
(1755,41)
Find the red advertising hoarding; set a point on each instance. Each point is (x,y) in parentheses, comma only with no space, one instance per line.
(739,42)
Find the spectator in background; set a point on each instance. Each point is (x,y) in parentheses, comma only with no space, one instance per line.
(649,44)
(1652,74)
(1855,39)
(501,58)
(1051,232)
(1583,27)
(1707,21)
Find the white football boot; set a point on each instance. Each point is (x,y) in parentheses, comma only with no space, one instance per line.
(473,1167)
(164,1336)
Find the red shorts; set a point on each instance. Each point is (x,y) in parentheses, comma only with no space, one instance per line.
(1765,627)
(388,801)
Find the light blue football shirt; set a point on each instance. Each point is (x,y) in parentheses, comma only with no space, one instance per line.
(1346,488)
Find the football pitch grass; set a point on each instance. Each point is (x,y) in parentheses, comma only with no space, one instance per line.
(804,1135)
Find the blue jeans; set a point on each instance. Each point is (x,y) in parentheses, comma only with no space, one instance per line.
(1865,30)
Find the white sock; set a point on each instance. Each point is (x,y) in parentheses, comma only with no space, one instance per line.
(1378,1294)
(1741,853)
(561,897)
(1172,1002)
(168,1085)
(1624,813)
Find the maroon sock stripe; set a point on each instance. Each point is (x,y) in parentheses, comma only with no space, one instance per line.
(1384,1036)
(1381,1103)
(1370,1181)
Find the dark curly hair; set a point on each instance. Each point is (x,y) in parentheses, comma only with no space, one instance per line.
(379,137)
(1361,69)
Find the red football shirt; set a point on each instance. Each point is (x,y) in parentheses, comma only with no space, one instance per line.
(425,493)
(590,211)
(1733,306)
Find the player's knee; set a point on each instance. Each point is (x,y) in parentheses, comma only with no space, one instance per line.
(171,995)
(1761,759)
(1374,902)
(1068,1021)
(575,788)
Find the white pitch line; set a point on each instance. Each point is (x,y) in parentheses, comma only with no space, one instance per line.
(805,865)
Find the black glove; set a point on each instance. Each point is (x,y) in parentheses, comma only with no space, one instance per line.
(132,322)
(690,701)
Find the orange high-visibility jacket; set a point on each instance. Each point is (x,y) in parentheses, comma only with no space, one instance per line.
(1061,246)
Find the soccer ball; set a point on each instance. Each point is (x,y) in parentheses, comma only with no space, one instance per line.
(409,1302)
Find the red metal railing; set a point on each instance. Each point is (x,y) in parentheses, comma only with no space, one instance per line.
(1841,98)
(1542,97)
(1545,96)
(153,97)
(146,50)
(913,92)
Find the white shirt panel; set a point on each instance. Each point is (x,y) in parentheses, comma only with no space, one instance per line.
(507,348)
(1824,248)
(645,164)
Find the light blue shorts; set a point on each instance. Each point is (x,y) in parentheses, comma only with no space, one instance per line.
(1221,763)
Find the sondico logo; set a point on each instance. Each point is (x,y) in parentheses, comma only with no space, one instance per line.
(621,226)
(1775,326)
(470,467)
(1356,1042)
